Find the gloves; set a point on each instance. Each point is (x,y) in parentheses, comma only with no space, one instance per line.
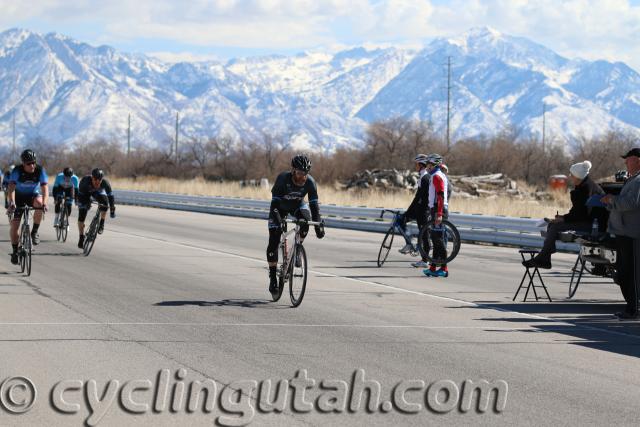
(277,219)
(113,212)
(319,230)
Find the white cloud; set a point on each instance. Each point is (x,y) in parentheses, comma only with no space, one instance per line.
(592,29)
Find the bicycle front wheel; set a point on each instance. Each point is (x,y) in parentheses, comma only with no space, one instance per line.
(385,248)
(439,244)
(298,275)
(90,237)
(26,249)
(64,226)
(59,229)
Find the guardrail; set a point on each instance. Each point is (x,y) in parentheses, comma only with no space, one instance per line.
(497,230)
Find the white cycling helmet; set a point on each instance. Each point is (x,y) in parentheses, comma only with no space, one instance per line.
(435,159)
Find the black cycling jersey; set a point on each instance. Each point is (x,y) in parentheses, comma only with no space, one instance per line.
(86,188)
(287,197)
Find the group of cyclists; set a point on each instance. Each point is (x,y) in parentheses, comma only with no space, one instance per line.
(28,185)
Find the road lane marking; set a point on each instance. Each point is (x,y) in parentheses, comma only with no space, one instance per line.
(395,288)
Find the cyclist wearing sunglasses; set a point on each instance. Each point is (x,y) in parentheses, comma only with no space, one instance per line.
(27,186)
(288,195)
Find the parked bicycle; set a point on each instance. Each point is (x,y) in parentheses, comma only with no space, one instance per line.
(62,228)
(92,233)
(293,267)
(24,240)
(394,229)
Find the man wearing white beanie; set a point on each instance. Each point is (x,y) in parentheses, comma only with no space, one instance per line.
(579,217)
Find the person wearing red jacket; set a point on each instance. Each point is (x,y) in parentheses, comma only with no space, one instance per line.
(439,209)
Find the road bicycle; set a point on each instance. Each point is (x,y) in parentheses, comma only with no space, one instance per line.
(293,268)
(394,229)
(62,229)
(445,231)
(24,240)
(92,233)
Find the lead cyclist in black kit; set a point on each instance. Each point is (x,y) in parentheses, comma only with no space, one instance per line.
(287,197)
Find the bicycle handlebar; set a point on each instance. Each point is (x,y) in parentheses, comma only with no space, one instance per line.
(393,211)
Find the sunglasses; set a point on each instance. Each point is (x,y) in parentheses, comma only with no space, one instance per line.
(30,163)
(301,172)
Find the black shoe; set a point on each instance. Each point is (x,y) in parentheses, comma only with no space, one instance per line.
(541,263)
(528,263)
(101,228)
(81,242)
(298,261)
(625,315)
(14,258)
(273,285)
(35,239)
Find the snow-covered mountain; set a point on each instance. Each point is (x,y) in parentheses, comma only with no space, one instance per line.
(68,91)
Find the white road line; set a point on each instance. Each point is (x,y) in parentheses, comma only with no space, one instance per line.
(288,325)
(424,294)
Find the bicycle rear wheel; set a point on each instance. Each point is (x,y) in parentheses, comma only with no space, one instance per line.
(383,253)
(298,276)
(283,260)
(449,235)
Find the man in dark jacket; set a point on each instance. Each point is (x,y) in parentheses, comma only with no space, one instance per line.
(624,223)
(418,209)
(579,218)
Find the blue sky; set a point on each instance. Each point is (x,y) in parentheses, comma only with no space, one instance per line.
(220,29)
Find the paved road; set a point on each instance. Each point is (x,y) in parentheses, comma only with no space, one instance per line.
(166,290)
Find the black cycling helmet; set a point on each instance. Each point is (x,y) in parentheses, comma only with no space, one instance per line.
(301,162)
(68,172)
(97,173)
(28,156)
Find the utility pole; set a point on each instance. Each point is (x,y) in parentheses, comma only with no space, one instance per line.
(129,137)
(13,146)
(448,103)
(177,130)
(544,125)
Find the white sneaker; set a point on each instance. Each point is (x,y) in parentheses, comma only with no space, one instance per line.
(420,264)
(406,249)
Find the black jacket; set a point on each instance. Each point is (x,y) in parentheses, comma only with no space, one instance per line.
(419,207)
(579,211)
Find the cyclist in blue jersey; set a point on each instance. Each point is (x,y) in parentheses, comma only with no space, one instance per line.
(288,195)
(5,184)
(96,187)
(65,186)
(27,186)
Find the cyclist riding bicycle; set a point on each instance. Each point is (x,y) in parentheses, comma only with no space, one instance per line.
(287,197)
(65,186)
(27,187)
(438,203)
(5,184)
(97,187)
(418,209)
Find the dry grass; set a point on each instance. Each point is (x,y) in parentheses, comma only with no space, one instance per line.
(372,198)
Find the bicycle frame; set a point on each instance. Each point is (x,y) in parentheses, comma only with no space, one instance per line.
(286,263)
